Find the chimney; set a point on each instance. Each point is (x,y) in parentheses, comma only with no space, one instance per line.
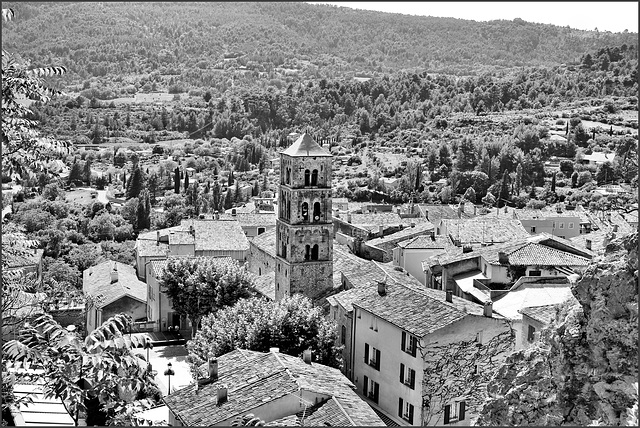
(449,297)
(306,356)
(274,350)
(459,211)
(475,210)
(222,394)
(558,209)
(348,217)
(588,243)
(192,231)
(382,288)
(213,369)
(114,273)
(426,214)
(412,224)
(488,309)
(216,215)
(506,209)
(398,210)
(233,212)
(158,237)
(503,259)
(380,230)
(467,249)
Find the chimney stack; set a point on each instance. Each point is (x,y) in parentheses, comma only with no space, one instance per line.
(449,297)
(398,210)
(306,356)
(216,215)
(588,244)
(213,369)
(467,249)
(158,237)
(274,350)
(114,274)
(222,394)
(348,217)
(382,288)
(426,214)
(380,230)
(488,309)
(475,210)
(412,224)
(233,212)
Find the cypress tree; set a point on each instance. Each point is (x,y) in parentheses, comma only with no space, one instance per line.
(136,183)
(504,190)
(553,182)
(186,181)
(124,179)
(176,180)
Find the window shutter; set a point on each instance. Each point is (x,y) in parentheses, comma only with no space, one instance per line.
(404,340)
(411,414)
(413,379)
(365,386)
(366,353)
(401,373)
(447,412)
(377,359)
(400,403)
(415,346)
(462,409)
(376,391)
(532,330)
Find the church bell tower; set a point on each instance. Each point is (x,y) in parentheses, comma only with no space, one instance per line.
(304,243)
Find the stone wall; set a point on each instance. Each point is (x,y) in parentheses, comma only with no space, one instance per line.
(259,261)
(584,369)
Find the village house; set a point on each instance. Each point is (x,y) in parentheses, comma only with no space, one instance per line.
(554,221)
(279,389)
(113,288)
(395,330)
(536,318)
(381,249)
(409,254)
(195,238)
(484,274)
(482,230)
(598,158)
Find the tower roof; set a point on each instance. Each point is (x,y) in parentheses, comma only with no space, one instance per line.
(305,146)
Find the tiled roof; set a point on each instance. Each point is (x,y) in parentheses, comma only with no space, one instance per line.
(266,242)
(96,282)
(181,238)
(150,248)
(543,314)
(344,261)
(407,303)
(485,229)
(266,218)
(217,235)
(426,242)
(422,227)
(372,221)
(540,255)
(305,146)
(255,378)
(550,212)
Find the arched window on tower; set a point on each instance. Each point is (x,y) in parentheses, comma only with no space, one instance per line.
(314,252)
(307,252)
(307,175)
(288,213)
(305,211)
(288,175)
(316,212)
(284,250)
(314,177)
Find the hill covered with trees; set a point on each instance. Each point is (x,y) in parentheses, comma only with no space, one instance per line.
(193,41)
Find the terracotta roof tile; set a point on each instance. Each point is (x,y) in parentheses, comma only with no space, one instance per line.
(96,282)
(305,146)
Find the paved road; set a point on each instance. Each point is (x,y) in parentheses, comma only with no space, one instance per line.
(160,356)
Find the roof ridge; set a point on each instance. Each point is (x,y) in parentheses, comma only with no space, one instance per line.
(343,410)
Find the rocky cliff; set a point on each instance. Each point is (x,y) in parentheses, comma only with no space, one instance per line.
(584,368)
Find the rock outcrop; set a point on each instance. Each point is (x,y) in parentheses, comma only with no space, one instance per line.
(584,368)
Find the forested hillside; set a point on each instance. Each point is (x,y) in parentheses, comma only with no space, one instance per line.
(195,39)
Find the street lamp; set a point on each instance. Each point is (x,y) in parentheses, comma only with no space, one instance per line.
(169,372)
(148,345)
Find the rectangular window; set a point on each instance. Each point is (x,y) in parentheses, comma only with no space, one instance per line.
(535,273)
(531,333)
(553,225)
(407,412)
(570,225)
(561,225)
(454,412)
(479,338)
(409,344)
(407,376)
(372,357)
(371,389)
(343,336)
(533,229)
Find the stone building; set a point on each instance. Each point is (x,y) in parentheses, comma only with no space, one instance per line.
(304,228)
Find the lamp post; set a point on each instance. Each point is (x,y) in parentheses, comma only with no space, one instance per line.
(169,372)
(148,345)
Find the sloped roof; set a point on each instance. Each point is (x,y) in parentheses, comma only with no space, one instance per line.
(266,242)
(421,227)
(266,285)
(543,314)
(485,229)
(344,261)
(541,255)
(151,248)
(426,242)
(531,294)
(96,282)
(407,303)
(264,218)
(305,146)
(256,378)
(372,221)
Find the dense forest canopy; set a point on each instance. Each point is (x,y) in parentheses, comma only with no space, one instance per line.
(116,39)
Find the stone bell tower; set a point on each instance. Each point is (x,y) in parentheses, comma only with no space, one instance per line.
(304,244)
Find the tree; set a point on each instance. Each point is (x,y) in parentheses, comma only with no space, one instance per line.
(574,179)
(75,175)
(199,286)
(518,183)
(100,375)
(186,181)
(24,150)
(153,183)
(504,190)
(136,182)
(489,200)
(176,180)
(86,173)
(292,324)
(553,182)
(470,195)
(228,199)
(605,173)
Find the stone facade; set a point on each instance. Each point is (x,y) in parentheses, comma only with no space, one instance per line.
(304,244)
